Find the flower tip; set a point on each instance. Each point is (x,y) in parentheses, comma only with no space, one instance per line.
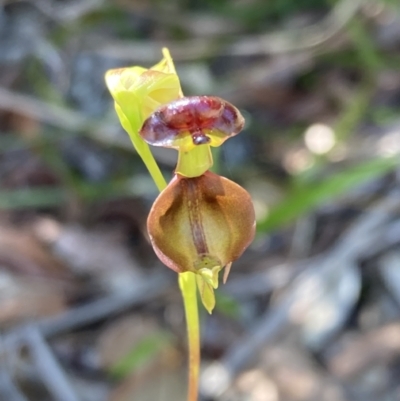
(112,78)
(226,272)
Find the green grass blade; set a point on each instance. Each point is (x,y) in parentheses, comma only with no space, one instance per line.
(303,199)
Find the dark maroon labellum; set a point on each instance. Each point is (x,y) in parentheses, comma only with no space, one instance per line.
(206,119)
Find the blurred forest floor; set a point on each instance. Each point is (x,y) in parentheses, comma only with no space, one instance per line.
(311,311)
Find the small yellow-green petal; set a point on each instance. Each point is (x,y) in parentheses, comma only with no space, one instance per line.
(121,79)
(157,88)
(210,274)
(206,292)
(129,116)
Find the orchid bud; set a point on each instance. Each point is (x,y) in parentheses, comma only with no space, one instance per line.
(201,225)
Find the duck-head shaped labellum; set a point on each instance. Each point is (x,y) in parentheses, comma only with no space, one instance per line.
(192,121)
(201,225)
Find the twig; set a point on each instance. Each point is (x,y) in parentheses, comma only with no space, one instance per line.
(64,12)
(265,279)
(359,237)
(217,378)
(71,120)
(48,367)
(33,336)
(62,117)
(95,311)
(389,237)
(73,319)
(302,239)
(365,230)
(8,390)
(43,111)
(275,43)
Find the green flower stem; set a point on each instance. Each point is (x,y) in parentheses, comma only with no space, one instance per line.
(187,284)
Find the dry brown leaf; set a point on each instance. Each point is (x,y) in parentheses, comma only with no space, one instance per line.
(21,252)
(33,283)
(360,352)
(160,378)
(24,298)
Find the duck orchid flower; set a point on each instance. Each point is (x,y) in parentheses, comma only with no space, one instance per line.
(201,225)
(201,222)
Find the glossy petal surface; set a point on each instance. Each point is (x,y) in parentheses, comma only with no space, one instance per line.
(191,121)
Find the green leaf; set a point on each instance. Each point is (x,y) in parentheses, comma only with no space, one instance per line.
(227,305)
(42,197)
(302,199)
(141,354)
(32,197)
